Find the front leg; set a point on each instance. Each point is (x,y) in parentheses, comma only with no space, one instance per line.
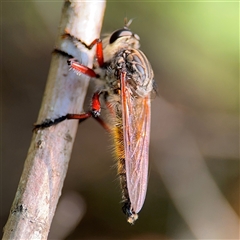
(79,69)
(97,42)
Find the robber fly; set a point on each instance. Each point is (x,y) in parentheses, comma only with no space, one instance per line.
(127,84)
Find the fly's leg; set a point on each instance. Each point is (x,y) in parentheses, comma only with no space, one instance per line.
(50,122)
(97,42)
(75,65)
(95,113)
(79,68)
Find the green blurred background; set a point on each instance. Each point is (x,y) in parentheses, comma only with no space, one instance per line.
(194,155)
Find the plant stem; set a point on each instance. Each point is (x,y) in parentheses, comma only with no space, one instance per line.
(47,160)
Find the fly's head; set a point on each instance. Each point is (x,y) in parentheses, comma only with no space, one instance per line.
(121,53)
(122,38)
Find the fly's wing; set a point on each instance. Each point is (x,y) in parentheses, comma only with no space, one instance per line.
(136,114)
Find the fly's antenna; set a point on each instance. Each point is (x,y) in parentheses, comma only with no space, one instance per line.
(127,22)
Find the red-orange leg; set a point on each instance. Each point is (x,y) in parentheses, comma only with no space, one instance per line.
(99,50)
(97,41)
(79,68)
(95,113)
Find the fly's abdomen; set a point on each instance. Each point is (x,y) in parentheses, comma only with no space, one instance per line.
(117,134)
(118,137)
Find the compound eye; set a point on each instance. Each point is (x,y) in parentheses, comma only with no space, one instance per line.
(120,33)
(136,36)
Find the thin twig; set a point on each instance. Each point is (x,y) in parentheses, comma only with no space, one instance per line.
(47,161)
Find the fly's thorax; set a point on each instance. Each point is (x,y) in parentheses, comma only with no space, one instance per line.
(139,73)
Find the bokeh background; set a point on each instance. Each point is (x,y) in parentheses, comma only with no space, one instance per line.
(194,154)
